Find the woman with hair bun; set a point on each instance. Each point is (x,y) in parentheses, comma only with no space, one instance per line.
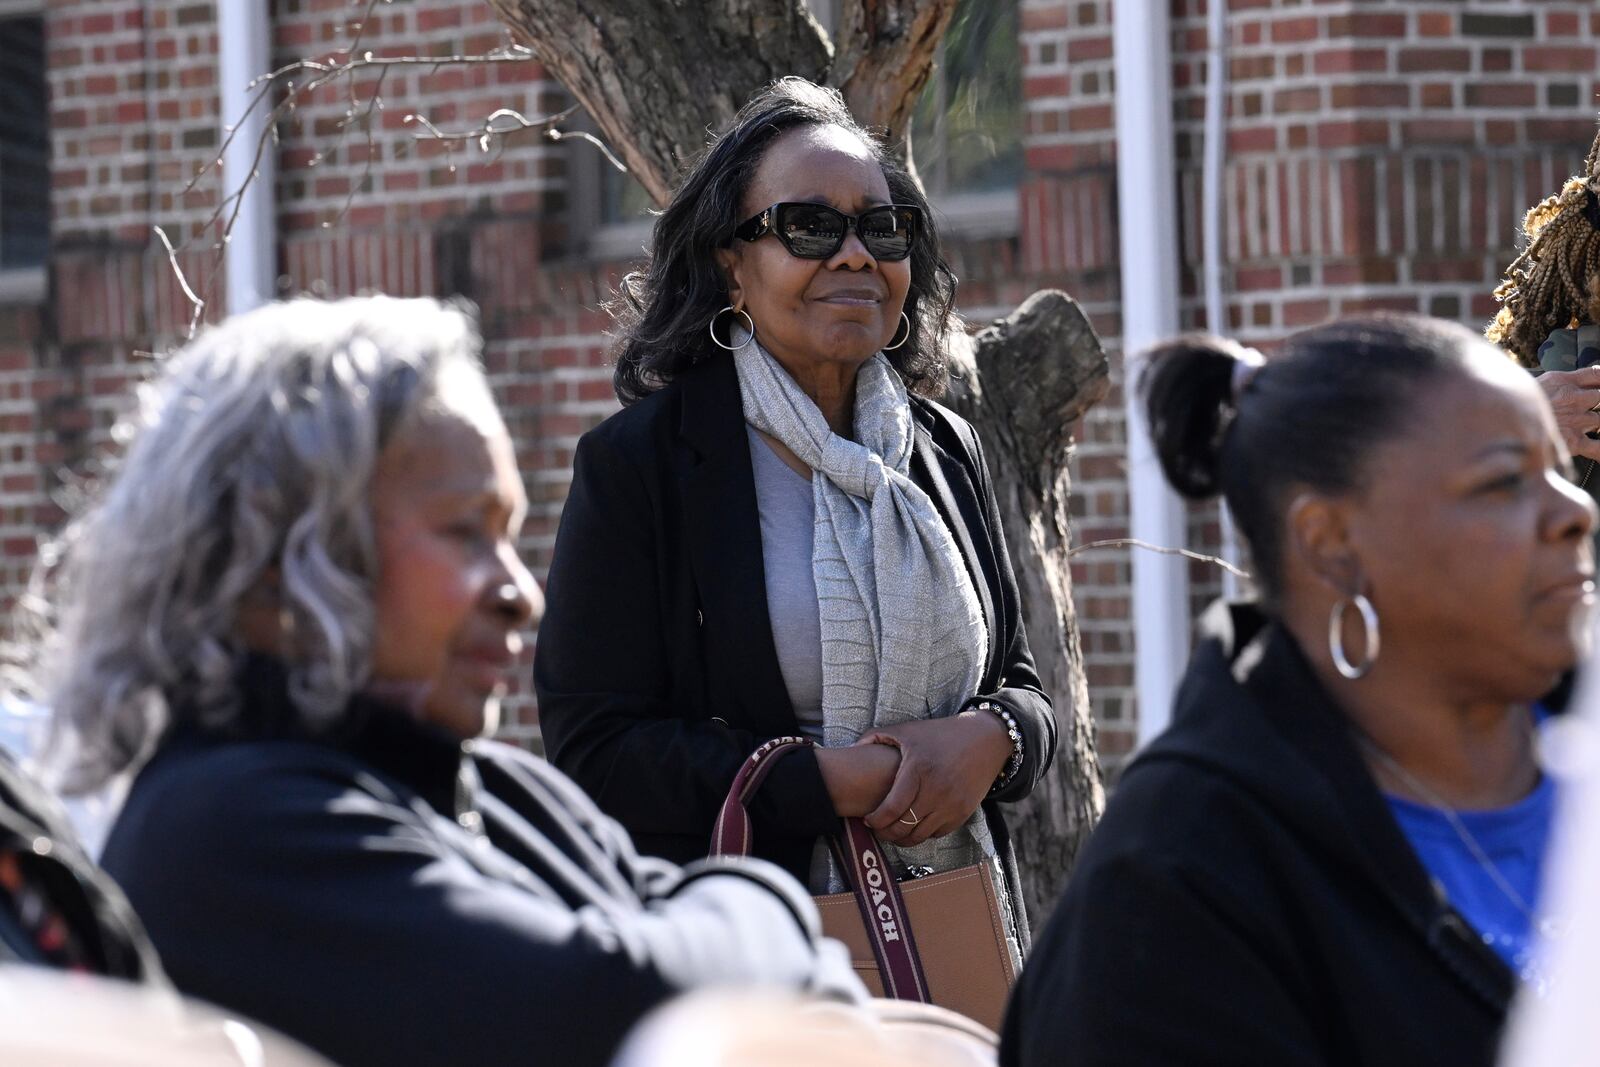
(1333,855)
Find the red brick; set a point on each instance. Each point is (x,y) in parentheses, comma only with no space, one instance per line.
(1502,94)
(1438,94)
(1417,60)
(1561,24)
(1348,133)
(1496,60)
(1548,59)
(1368,24)
(1298,313)
(1255,139)
(1436,24)
(1439,131)
(1091,117)
(1300,98)
(1257,279)
(1569,131)
(1083,49)
(1447,270)
(429,20)
(1045,18)
(1352,61)
(1251,68)
(1371,95)
(1499,131)
(1296,30)
(1363,305)
(1039,86)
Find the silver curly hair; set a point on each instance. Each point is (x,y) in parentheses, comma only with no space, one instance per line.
(251,450)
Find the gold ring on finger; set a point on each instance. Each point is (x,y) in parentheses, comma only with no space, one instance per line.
(911,821)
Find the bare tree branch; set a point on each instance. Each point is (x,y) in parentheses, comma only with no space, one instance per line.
(196,302)
(297,82)
(1134,542)
(655,81)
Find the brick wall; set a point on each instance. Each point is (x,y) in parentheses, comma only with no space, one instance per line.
(1379,155)
(134,114)
(368,205)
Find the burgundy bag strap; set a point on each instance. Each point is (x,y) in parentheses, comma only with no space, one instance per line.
(883,912)
(856,847)
(732,835)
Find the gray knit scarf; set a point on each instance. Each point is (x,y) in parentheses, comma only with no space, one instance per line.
(903,633)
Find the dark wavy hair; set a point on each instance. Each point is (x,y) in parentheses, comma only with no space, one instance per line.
(663,310)
(1310,418)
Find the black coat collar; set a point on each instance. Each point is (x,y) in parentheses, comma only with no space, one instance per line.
(724,525)
(1250,708)
(417,754)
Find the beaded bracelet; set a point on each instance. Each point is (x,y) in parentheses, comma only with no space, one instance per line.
(1013,731)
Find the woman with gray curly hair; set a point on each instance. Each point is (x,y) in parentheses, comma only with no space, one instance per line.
(291,613)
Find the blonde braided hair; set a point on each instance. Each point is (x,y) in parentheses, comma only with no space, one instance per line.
(1555,283)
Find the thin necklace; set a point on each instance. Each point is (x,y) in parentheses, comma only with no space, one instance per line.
(1547,927)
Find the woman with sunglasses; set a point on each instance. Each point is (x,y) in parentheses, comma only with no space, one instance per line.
(781,534)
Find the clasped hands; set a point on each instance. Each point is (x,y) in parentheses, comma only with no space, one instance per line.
(917,780)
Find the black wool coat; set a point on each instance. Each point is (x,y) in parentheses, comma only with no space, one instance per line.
(656,670)
(390,899)
(1248,898)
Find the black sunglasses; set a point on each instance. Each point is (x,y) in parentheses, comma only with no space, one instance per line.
(817,231)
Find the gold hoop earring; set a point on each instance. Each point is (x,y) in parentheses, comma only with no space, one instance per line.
(1369,623)
(907,320)
(750,325)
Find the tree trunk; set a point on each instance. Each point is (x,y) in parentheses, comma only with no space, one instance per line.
(656,75)
(1023,383)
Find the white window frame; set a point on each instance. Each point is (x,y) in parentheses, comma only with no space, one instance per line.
(979,216)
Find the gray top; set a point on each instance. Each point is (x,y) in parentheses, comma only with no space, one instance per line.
(788,513)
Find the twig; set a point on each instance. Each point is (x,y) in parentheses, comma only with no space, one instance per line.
(322,72)
(375,101)
(361,31)
(172,258)
(1133,542)
(558,135)
(491,129)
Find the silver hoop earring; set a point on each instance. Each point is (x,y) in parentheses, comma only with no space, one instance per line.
(1369,622)
(905,319)
(750,325)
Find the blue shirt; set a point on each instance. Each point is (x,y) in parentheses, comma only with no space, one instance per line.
(1514,839)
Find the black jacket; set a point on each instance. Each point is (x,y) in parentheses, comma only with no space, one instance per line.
(1249,900)
(656,670)
(387,901)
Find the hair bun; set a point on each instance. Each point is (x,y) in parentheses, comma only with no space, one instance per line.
(1190,387)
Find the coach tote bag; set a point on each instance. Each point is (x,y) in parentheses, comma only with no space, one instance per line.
(938,939)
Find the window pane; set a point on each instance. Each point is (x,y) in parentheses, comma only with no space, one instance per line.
(24,145)
(622,198)
(967,129)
